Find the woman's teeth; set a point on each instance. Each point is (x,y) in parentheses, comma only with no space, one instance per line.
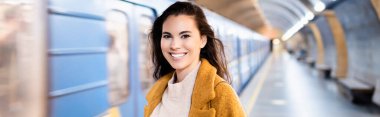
(177,55)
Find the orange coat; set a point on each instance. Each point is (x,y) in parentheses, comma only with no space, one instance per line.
(212,96)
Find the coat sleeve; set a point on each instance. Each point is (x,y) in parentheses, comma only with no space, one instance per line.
(226,102)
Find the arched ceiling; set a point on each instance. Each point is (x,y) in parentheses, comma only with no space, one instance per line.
(245,12)
(272,18)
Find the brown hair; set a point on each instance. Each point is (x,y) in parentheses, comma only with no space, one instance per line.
(213,50)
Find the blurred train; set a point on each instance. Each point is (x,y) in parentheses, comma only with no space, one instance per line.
(70,58)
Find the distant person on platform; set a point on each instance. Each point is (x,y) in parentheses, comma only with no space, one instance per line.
(190,68)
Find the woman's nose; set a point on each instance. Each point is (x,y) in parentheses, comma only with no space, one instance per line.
(175,44)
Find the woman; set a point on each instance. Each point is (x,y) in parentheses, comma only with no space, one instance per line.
(190,68)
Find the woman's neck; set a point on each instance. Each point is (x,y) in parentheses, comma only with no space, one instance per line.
(182,73)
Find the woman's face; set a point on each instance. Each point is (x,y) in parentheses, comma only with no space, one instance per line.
(181,42)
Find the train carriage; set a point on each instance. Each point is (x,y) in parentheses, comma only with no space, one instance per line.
(91,57)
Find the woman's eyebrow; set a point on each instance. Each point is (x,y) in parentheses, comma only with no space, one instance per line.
(183,32)
(167,33)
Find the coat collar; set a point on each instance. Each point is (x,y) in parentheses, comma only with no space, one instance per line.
(203,88)
(204,85)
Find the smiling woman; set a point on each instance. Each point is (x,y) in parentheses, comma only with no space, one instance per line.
(181,44)
(189,66)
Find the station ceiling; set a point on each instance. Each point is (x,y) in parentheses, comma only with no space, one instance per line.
(272,18)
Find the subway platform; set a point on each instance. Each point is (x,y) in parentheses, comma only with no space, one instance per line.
(285,87)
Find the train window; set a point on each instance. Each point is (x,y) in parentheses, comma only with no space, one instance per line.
(228,44)
(117,56)
(22,79)
(245,47)
(217,30)
(145,19)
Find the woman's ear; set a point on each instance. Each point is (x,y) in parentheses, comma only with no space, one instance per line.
(203,41)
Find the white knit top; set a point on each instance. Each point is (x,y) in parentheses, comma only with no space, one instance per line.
(176,99)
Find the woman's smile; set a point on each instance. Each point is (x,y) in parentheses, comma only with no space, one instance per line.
(177,55)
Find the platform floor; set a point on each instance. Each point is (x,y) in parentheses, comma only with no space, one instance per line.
(285,87)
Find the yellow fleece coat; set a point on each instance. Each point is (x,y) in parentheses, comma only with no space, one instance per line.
(212,96)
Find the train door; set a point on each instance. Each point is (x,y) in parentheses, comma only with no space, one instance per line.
(122,92)
(233,64)
(145,17)
(23,58)
(239,62)
(251,58)
(118,27)
(244,63)
(117,58)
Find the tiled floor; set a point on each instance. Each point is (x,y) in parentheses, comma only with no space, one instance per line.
(285,87)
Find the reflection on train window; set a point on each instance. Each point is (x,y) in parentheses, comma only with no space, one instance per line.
(117,57)
(14,34)
(146,18)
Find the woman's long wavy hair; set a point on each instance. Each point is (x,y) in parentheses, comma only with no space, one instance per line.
(213,50)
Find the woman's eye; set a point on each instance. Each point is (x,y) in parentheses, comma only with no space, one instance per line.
(185,36)
(165,36)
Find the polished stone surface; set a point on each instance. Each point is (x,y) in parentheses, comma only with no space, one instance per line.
(285,87)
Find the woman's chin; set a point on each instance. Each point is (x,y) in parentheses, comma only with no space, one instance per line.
(177,66)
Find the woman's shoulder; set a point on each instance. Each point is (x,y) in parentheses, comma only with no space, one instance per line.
(223,86)
(226,101)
